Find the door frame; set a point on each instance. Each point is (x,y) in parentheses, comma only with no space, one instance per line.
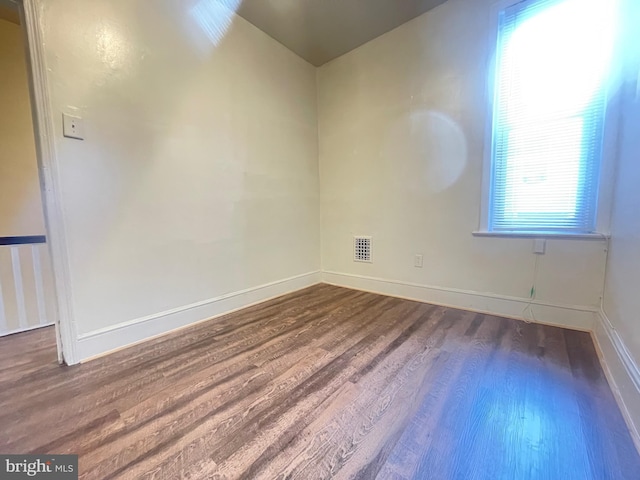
(48,168)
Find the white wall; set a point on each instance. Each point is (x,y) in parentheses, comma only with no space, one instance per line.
(20,203)
(198,175)
(618,333)
(402,128)
(622,301)
(622,288)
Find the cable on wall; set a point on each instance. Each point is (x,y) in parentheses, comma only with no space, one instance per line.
(532,294)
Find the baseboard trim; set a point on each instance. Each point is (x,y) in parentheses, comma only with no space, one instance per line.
(108,340)
(622,372)
(575,317)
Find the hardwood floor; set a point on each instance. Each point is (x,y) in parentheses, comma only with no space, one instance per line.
(325,383)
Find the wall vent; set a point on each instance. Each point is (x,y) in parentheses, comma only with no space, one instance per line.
(362,249)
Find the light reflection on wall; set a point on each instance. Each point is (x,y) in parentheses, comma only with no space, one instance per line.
(214,17)
(112,46)
(431,143)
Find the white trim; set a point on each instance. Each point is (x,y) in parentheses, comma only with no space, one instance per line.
(490,113)
(576,317)
(3,320)
(49,177)
(622,373)
(106,340)
(19,288)
(37,274)
(623,352)
(25,329)
(568,236)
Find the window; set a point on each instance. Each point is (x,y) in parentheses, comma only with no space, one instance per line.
(552,65)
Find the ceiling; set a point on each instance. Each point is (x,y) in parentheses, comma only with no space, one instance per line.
(317,30)
(321,30)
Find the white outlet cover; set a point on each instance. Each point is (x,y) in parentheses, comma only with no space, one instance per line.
(72,127)
(539,246)
(418,260)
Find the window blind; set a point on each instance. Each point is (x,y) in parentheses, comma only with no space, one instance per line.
(553,58)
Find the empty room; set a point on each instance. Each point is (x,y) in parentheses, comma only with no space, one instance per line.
(318,239)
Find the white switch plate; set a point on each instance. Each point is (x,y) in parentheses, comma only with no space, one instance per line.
(72,127)
(539,246)
(418,261)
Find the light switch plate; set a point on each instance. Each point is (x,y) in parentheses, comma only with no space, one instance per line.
(72,127)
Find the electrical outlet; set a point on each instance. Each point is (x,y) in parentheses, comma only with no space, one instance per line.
(539,246)
(72,127)
(417,262)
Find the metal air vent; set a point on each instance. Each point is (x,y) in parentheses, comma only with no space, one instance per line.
(362,249)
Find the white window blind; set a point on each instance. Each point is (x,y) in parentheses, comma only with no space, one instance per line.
(553,59)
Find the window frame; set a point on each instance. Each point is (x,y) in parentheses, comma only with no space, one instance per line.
(611,122)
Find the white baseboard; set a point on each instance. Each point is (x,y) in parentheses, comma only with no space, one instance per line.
(622,373)
(106,340)
(567,316)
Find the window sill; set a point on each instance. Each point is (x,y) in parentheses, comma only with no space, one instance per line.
(568,236)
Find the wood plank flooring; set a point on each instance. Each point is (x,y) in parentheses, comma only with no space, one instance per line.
(325,383)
